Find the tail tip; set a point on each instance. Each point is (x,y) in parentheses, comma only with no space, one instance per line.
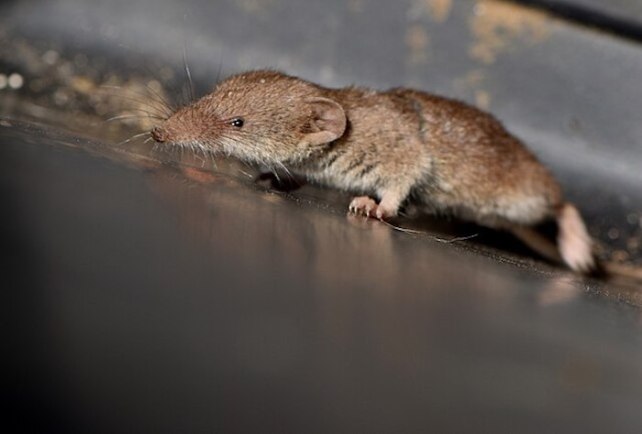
(574,242)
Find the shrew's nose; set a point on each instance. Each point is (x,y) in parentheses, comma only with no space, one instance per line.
(159,134)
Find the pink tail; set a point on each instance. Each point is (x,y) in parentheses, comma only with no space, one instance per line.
(574,242)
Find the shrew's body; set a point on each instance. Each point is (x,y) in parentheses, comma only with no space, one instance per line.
(387,147)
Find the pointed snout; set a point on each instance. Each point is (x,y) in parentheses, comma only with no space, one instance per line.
(159,134)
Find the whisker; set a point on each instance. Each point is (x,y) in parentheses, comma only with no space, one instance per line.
(144,99)
(161,99)
(455,239)
(135,136)
(123,117)
(152,73)
(148,113)
(204,151)
(246,174)
(151,68)
(287,171)
(404,230)
(148,109)
(218,72)
(274,172)
(188,73)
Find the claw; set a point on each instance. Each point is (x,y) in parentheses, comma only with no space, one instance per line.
(363,205)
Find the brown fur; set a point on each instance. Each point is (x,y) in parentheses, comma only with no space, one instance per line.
(393,145)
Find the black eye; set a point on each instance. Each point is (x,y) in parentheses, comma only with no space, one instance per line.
(237,122)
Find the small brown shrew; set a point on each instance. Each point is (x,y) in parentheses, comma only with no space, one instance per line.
(388,147)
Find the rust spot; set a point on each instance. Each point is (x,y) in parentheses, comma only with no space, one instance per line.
(498,26)
(199,175)
(439,9)
(417,40)
(482,99)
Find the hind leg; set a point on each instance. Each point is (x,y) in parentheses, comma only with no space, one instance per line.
(537,242)
(528,235)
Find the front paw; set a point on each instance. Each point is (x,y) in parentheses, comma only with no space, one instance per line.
(363,205)
(366,206)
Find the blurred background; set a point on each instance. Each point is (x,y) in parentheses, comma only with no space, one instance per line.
(153,291)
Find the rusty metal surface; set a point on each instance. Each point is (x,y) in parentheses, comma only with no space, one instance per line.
(154,292)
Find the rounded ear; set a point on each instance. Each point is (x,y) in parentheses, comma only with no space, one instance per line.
(328,121)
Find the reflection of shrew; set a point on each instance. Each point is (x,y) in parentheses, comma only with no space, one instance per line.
(399,145)
(210,209)
(256,230)
(318,250)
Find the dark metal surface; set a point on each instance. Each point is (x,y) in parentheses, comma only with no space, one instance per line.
(148,296)
(141,300)
(624,11)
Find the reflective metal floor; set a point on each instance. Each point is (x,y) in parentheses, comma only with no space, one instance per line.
(146,298)
(150,292)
